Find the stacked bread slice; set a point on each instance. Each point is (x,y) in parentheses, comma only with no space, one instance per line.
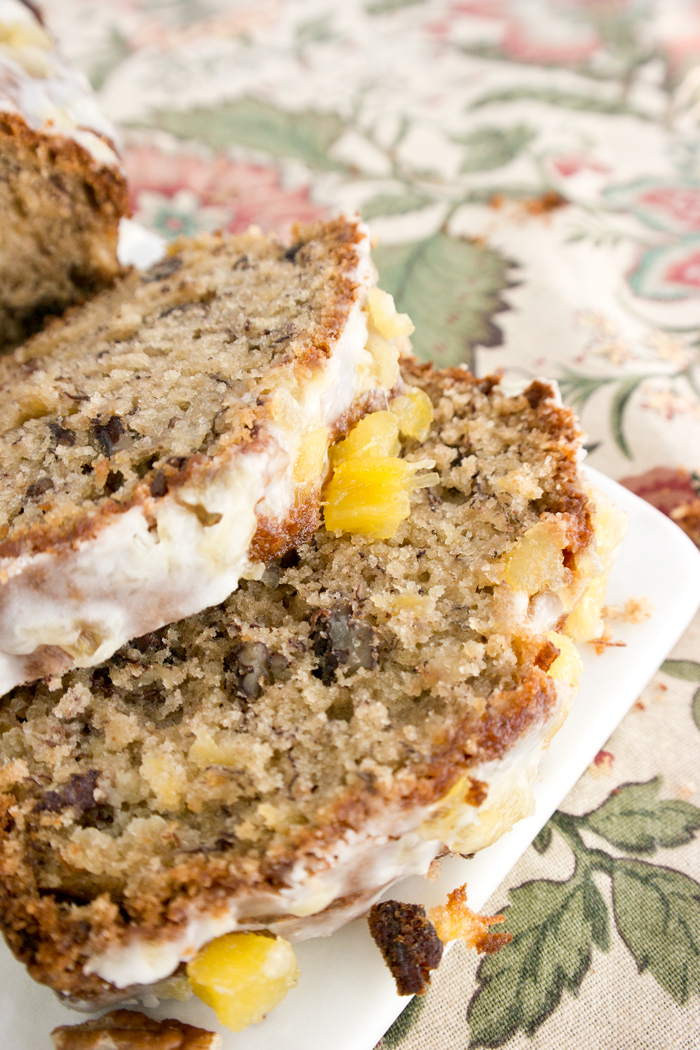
(62,187)
(197,759)
(171,436)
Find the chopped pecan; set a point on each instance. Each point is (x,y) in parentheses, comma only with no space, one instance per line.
(129,1030)
(341,640)
(160,270)
(251,667)
(111,435)
(39,488)
(78,791)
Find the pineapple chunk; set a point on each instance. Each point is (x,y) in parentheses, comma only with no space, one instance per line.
(166,778)
(568,666)
(310,456)
(375,436)
(370,496)
(242,976)
(383,315)
(370,487)
(586,621)
(414,412)
(536,561)
(386,359)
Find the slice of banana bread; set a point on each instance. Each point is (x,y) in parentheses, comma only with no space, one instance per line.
(62,188)
(171,435)
(278,761)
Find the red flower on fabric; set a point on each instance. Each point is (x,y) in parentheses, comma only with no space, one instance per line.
(184,192)
(681,204)
(568,164)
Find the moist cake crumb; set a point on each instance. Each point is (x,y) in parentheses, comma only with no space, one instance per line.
(327,728)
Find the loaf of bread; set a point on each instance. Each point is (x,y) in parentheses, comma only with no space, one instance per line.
(276,762)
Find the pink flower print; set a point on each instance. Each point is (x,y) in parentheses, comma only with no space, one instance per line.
(548,43)
(686,271)
(602,764)
(568,164)
(671,271)
(671,207)
(184,192)
(679,205)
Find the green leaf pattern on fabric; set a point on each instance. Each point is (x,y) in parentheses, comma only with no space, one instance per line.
(634,819)
(307,135)
(493,147)
(404,1023)
(450,287)
(657,911)
(556,925)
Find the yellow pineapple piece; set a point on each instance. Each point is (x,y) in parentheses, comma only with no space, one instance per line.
(375,436)
(609,526)
(369,496)
(568,666)
(586,620)
(536,560)
(206,752)
(310,456)
(414,412)
(370,487)
(386,359)
(383,315)
(25,34)
(166,778)
(242,976)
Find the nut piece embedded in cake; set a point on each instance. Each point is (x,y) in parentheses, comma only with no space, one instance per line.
(129,1030)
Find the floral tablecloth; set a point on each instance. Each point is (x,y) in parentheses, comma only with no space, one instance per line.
(532,171)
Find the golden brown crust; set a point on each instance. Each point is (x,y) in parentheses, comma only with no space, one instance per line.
(64,153)
(411,942)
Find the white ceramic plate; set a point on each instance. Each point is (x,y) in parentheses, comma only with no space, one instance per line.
(345,997)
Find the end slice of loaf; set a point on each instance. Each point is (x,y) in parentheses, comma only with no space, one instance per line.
(278,761)
(171,436)
(62,188)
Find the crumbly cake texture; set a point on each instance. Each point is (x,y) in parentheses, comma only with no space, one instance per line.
(275,762)
(62,188)
(411,941)
(148,436)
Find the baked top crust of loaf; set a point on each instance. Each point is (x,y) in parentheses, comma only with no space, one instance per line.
(158,441)
(277,761)
(62,188)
